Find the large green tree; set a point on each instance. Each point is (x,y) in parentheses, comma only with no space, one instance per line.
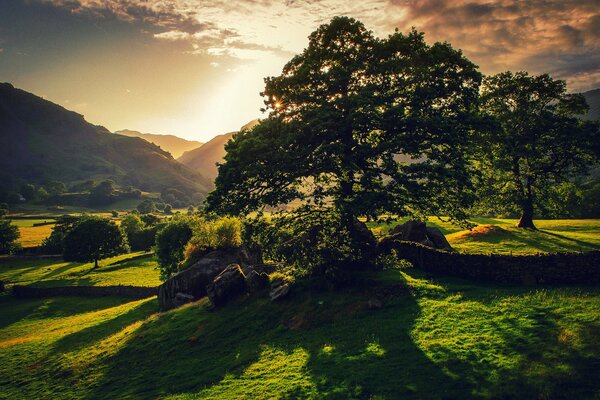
(9,234)
(536,140)
(93,238)
(358,126)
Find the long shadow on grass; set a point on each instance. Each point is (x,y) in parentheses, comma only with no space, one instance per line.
(93,334)
(583,244)
(350,352)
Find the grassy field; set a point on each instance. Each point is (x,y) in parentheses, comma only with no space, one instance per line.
(140,272)
(31,235)
(433,338)
(502,237)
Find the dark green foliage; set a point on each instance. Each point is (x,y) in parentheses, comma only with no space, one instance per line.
(55,243)
(170,245)
(536,141)
(55,188)
(103,193)
(94,238)
(168,210)
(358,126)
(141,232)
(28,191)
(146,206)
(114,213)
(13,198)
(9,234)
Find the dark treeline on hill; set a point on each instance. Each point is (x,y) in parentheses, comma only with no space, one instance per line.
(42,142)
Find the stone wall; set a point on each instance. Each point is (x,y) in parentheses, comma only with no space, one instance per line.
(132,292)
(527,269)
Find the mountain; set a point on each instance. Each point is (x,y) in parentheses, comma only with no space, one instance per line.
(205,158)
(42,141)
(593,99)
(171,143)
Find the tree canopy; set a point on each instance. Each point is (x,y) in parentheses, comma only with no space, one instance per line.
(536,142)
(93,238)
(358,126)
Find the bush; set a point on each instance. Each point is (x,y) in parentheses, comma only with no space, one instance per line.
(114,213)
(223,233)
(146,207)
(141,232)
(170,245)
(168,210)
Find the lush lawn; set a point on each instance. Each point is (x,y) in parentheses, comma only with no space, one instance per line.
(443,338)
(140,272)
(553,236)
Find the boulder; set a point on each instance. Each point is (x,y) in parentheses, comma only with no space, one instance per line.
(279,289)
(437,237)
(229,284)
(193,280)
(256,281)
(182,298)
(410,231)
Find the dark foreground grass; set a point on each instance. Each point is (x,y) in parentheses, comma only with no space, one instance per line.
(433,338)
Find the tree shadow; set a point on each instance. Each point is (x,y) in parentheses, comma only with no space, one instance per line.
(348,350)
(96,333)
(581,243)
(60,270)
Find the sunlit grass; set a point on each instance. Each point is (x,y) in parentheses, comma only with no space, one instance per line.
(552,236)
(140,272)
(472,340)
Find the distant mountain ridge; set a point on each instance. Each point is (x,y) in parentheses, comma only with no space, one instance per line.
(42,141)
(171,143)
(205,158)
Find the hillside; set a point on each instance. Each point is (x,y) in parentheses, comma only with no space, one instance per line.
(171,143)
(593,100)
(42,141)
(205,158)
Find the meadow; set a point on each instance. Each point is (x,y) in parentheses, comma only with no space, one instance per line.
(434,337)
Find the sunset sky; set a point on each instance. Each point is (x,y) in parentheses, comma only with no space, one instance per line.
(195,68)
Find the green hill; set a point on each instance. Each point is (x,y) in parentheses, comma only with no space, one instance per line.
(42,141)
(171,143)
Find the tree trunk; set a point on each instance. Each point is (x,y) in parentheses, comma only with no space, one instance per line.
(526,220)
(95,263)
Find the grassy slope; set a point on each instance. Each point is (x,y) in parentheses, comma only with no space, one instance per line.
(444,339)
(141,272)
(552,236)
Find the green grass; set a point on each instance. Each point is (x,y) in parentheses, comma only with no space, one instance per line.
(552,236)
(444,338)
(141,272)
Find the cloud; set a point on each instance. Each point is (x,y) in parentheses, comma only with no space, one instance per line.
(561,37)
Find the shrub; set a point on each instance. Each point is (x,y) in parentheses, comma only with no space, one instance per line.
(168,210)
(146,206)
(114,213)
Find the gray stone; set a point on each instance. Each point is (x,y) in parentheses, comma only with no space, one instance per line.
(193,280)
(437,237)
(229,284)
(256,281)
(279,292)
(182,298)
(410,231)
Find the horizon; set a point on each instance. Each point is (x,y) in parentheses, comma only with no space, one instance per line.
(194,69)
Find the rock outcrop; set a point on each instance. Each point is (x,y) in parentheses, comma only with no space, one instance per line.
(194,280)
(229,284)
(418,232)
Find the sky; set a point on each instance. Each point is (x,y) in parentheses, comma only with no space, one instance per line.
(195,68)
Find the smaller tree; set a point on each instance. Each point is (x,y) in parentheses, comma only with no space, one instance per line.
(28,192)
(9,234)
(538,141)
(92,239)
(170,246)
(55,188)
(146,206)
(168,210)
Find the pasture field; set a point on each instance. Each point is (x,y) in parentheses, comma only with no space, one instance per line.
(433,338)
(138,272)
(501,236)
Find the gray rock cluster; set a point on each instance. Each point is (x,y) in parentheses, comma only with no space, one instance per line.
(221,275)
